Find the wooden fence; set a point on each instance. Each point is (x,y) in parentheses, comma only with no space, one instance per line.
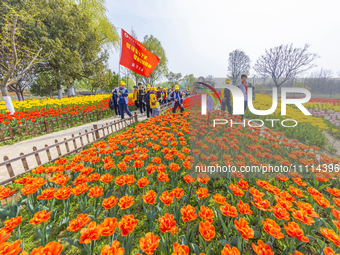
(26,162)
(49,126)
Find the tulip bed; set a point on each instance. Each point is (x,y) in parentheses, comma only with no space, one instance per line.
(329,111)
(309,129)
(133,194)
(34,111)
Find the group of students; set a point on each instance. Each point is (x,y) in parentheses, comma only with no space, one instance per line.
(147,100)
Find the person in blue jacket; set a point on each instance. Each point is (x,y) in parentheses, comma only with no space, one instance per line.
(177,98)
(115,104)
(122,99)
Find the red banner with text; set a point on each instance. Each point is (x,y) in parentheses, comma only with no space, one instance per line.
(136,57)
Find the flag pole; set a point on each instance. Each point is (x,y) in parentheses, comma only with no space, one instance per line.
(120,54)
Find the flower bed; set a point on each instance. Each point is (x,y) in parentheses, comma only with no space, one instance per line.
(133,194)
(34,111)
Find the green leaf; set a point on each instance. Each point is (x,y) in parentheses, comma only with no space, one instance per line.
(195,248)
(39,233)
(17,237)
(48,229)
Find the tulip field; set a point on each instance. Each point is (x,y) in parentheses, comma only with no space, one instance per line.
(34,111)
(135,193)
(31,110)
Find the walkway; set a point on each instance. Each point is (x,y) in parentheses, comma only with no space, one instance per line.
(26,146)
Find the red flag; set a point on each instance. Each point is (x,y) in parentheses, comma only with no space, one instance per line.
(136,57)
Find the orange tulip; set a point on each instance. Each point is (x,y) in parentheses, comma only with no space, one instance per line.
(262,204)
(336,201)
(336,214)
(219,199)
(167,198)
(207,230)
(331,235)
(228,210)
(297,253)
(149,243)
(108,226)
(126,202)
(52,248)
(40,217)
(188,179)
(302,216)
(296,191)
(167,222)
(95,191)
(228,251)
(163,177)
(206,214)
(329,251)
(10,248)
(307,208)
(114,249)
(178,192)
(110,202)
(294,230)
(174,167)
(63,193)
(335,192)
(262,249)
(272,228)
(130,179)
(89,234)
(76,224)
(236,190)
(188,213)
(142,182)
(244,208)
(150,197)
(321,200)
(202,192)
(106,178)
(180,249)
(127,224)
(244,229)
(11,224)
(47,194)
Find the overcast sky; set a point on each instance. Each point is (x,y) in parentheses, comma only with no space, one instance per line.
(198,35)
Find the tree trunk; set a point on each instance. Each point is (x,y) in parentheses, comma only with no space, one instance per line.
(18,95)
(70,91)
(22,95)
(60,93)
(7,99)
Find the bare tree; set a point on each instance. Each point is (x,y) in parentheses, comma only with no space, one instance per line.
(285,62)
(5,81)
(173,78)
(238,63)
(321,82)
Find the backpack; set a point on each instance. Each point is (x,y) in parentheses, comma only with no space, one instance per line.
(111,104)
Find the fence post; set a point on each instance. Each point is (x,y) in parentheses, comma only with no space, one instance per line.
(37,158)
(74,142)
(66,145)
(46,126)
(24,162)
(98,115)
(58,147)
(81,140)
(48,153)
(9,167)
(95,127)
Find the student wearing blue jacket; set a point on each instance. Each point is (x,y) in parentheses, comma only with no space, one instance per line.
(121,93)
